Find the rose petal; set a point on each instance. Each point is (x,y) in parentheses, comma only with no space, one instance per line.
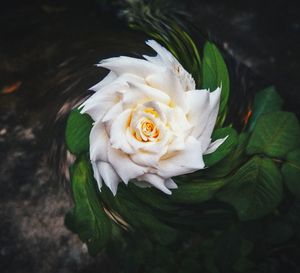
(215,145)
(186,161)
(156,181)
(118,137)
(110,77)
(123,64)
(170,184)
(97,175)
(124,166)
(110,177)
(214,102)
(99,142)
(199,110)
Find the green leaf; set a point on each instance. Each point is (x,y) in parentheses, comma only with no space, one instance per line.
(265,101)
(291,172)
(88,218)
(231,161)
(138,215)
(223,150)
(215,73)
(254,190)
(275,134)
(78,131)
(196,192)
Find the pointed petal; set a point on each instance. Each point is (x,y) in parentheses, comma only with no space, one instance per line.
(199,110)
(121,65)
(124,166)
(214,103)
(215,145)
(111,76)
(170,184)
(182,162)
(99,142)
(97,175)
(110,177)
(156,181)
(118,137)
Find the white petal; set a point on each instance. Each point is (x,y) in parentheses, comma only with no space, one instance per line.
(215,145)
(98,142)
(97,175)
(111,114)
(170,184)
(163,55)
(141,184)
(199,110)
(118,137)
(110,77)
(150,93)
(110,177)
(124,166)
(121,65)
(182,162)
(214,103)
(156,181)
(168,82)
(145,159)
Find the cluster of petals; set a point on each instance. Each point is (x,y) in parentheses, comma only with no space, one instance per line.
(150,122)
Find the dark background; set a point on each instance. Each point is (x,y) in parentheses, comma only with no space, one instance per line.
(47,52)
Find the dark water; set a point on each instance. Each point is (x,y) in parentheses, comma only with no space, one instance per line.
(47,52)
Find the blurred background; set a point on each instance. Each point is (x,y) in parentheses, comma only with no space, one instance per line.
(48,49)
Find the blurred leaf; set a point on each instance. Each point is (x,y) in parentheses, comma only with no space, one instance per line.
(77,132)
(291,172)
(88,218)
(278,232)
(231,161)
(138,215)
(265,101)
(275,134)
(215,73)
(11,88)
(254,190)
(223,150)
(196,192)
(227,250)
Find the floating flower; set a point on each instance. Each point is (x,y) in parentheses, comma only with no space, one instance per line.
(150,122)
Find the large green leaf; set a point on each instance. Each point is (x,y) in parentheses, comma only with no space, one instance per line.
(223,150)
(138,215)
(275,134)
(215,73)
(88,218)
(291,172)
(234,159)
(265,101)
(254,190)
(77,132)
(196,192)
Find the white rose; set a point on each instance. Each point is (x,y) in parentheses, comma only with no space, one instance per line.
(151,123)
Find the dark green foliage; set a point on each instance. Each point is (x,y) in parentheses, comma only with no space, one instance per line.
(275,134)
(254,190)
(291,172)
(88,218)
(223,150)
(77,132)
(215,74)
(265,101)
